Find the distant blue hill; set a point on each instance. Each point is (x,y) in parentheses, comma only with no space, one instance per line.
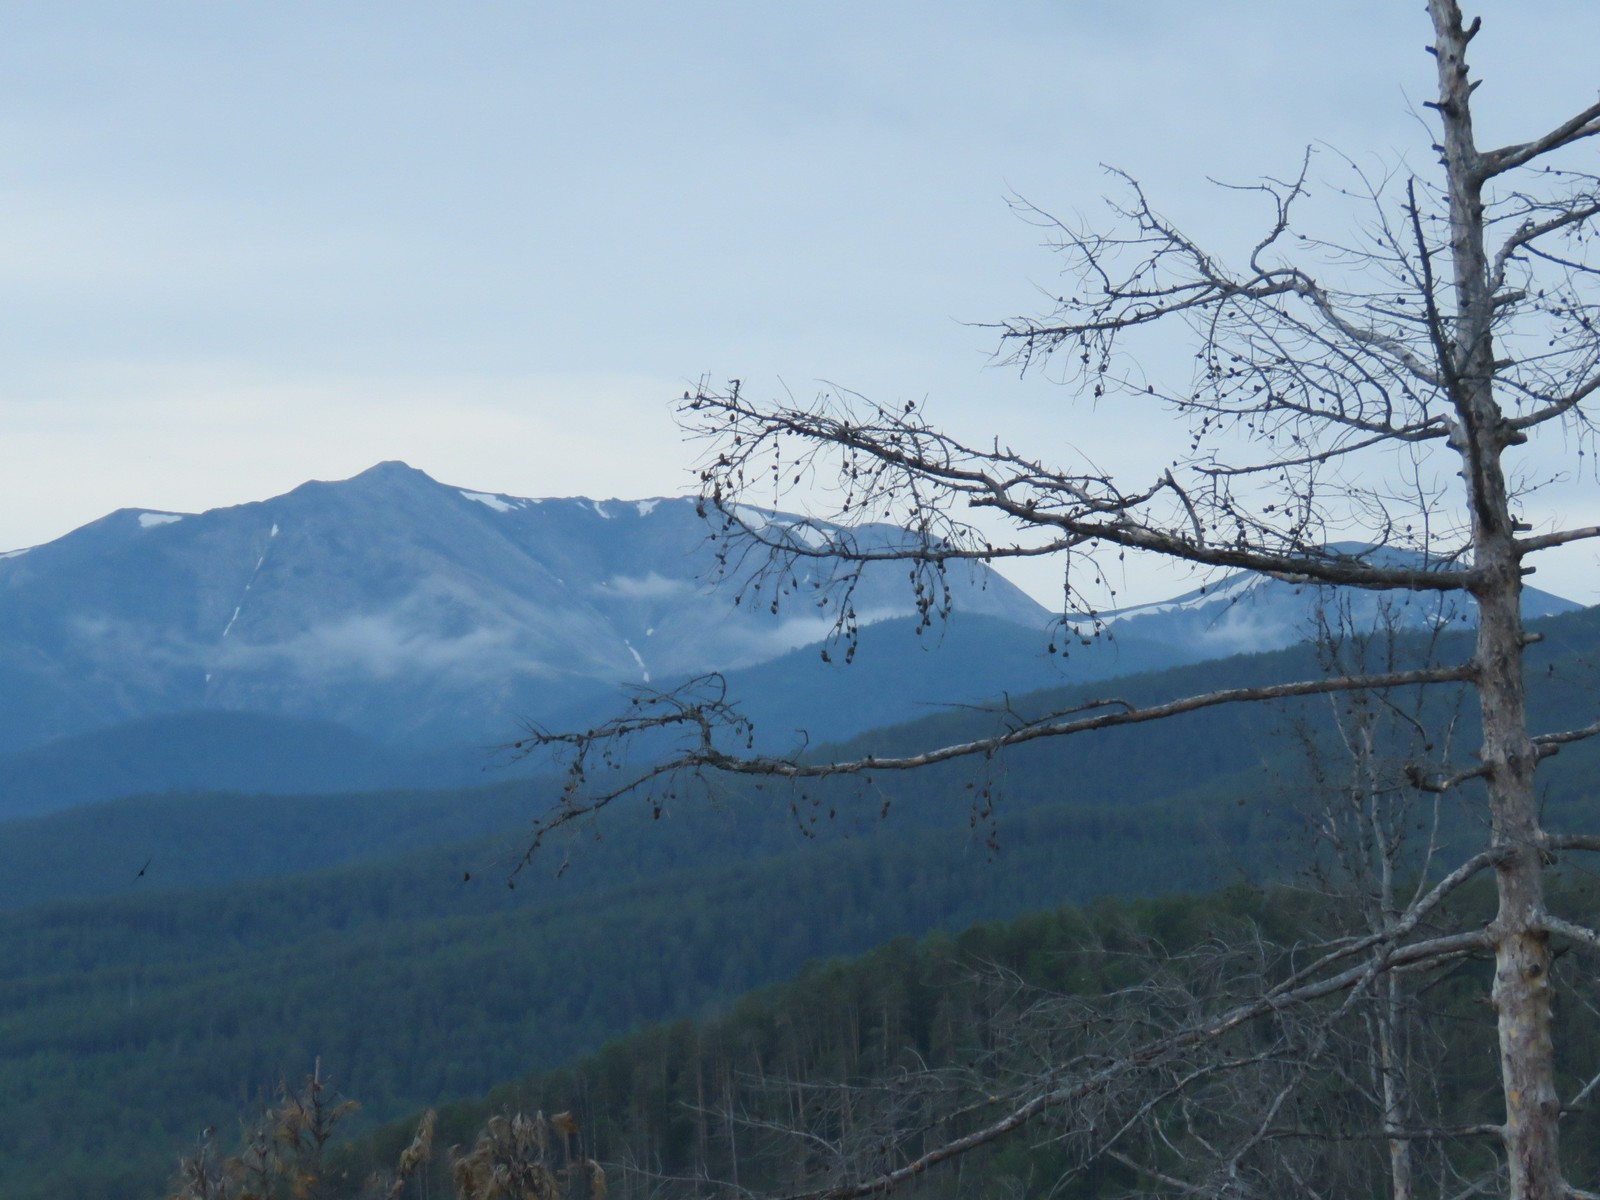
(218,751)
(407,610)
(390,630)
(1245,612)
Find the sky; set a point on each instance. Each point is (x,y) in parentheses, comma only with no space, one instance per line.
(247,245)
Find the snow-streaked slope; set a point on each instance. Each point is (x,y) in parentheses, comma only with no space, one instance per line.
(399,606)
(419,613)
(1246,612)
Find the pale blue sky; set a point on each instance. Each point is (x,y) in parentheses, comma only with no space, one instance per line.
(244,245)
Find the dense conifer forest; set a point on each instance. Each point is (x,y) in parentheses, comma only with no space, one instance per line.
(418,976)
(747,1097)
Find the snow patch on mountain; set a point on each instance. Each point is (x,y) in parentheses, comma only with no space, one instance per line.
(148,520)
(806,534)
(498,503)
(752,519)
(1232,588)
(800,532)
(643,670)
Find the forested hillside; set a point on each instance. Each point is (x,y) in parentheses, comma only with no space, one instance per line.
(776,1092)
(413,984)
(417,974)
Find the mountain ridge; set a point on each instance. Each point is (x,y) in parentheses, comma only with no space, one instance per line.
(426,622)
(399,606)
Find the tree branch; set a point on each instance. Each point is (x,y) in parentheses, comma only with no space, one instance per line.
(1560,537)
(1584,937)
(1057,726)
(1142,1057)
(1550,741)
(1498,162)
(1571,841)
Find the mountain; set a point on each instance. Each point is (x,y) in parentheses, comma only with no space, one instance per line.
(1249,612)
(223,751)
(402,608)
(390,630)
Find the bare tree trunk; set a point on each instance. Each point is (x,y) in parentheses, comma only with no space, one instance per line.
(1396,1090)
(1522,989)
(1521,943)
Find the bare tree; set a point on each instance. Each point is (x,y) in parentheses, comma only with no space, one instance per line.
(1333,377)
(1381,829)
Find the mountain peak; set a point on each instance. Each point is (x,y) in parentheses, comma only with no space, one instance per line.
(391,464)
(392,469)
(393,603)
(385,480)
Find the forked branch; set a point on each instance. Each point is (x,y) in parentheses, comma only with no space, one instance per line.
(703,721)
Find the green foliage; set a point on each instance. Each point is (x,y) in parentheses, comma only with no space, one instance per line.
(415,986)
(677,1106)
(147,843)
(130,1021)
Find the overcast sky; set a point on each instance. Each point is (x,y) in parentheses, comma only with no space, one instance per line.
(246,245)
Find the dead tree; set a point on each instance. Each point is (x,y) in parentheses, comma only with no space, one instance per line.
(1380,829)
(1333,379)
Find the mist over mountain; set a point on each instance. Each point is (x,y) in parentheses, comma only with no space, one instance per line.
(400,607)
(391,630)
(1246,612)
